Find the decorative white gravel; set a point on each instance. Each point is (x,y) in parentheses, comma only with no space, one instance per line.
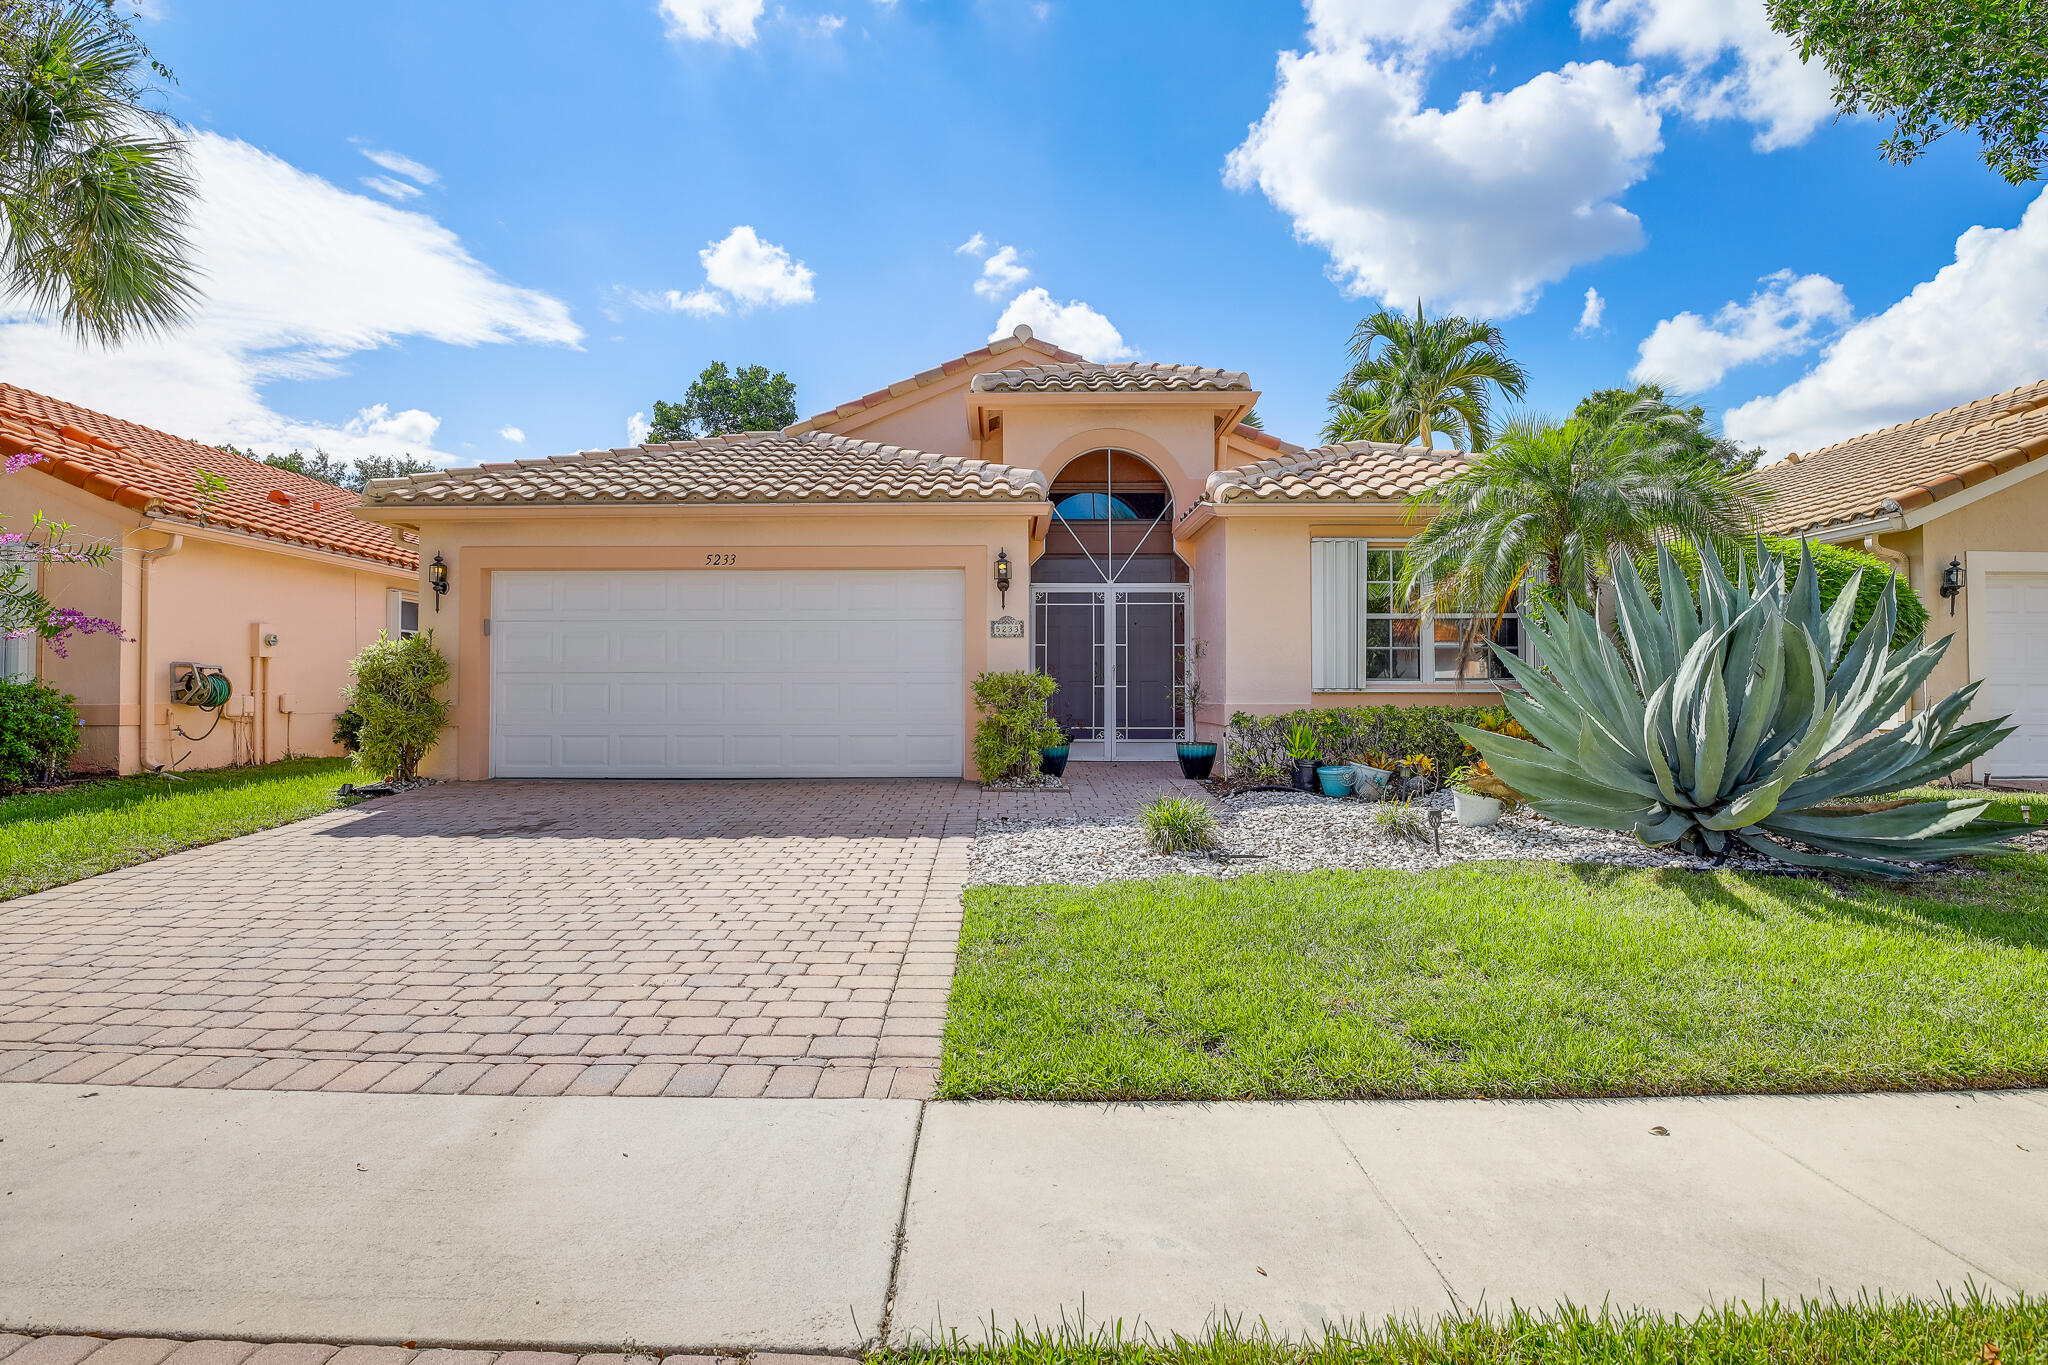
(1294,832)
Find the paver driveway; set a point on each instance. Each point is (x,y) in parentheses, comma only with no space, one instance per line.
(729,938)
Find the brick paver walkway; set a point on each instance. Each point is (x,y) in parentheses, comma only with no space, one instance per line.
(18,1349)
(1098,793)
(717,938)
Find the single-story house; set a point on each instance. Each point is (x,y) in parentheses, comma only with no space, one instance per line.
(816,601)
(1956,500)
(267,577)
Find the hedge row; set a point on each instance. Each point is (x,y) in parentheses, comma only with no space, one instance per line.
(1256,746)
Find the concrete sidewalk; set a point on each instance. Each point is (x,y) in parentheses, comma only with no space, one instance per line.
(589,1224)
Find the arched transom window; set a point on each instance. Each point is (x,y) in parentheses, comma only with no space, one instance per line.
(1112,523)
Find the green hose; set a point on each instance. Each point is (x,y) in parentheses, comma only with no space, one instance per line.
(217,691)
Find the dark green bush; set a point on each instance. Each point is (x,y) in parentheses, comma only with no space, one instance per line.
(38,734)
(1256,746)
(1834,564)
(1014,724)
(348,730)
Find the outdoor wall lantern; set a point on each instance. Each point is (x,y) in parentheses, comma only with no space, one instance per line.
(437,578)
(1952,579)
(1003,576)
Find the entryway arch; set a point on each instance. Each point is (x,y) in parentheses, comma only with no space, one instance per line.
(1109,608)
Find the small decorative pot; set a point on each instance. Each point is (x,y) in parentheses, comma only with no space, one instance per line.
(1336,779)
(1475,811)
(1304,774)
(1052,761)
(1367,782)
(1196,760)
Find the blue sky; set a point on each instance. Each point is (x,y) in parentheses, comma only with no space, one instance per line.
(522,252)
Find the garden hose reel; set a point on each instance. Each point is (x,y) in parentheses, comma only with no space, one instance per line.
(205,686)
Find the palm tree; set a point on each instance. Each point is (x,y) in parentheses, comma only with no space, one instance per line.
(1568,500)
(94,194)
(1412,378)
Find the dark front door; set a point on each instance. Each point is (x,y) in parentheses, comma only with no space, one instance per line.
(1117,654)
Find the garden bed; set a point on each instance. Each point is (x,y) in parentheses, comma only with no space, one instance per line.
(1296,832)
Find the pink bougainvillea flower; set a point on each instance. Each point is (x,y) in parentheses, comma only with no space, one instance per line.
(71,621)
(21,460)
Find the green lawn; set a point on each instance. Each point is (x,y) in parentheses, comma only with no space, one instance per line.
(50,838)
(1865,1332)
(1501,979)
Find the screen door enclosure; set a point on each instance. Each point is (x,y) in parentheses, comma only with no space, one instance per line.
(1117,655)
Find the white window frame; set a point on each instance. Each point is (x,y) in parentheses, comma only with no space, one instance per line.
(1339,631)
(394,612)
(18,657)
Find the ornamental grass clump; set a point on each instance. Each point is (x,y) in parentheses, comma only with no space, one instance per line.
(1178,824)
(1747,716)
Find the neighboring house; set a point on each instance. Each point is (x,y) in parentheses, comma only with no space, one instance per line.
(1960,487)
(815,602)
(272,580)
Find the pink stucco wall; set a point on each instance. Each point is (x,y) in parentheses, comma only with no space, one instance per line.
(205,596)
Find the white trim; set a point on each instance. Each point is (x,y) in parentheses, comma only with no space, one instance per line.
(1848,530)
(1977,563)
(1955,502)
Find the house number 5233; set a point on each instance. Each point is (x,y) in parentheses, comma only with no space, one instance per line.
(719,561)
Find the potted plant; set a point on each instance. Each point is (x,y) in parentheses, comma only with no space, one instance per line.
(1301,747)
(1335,778)
(1052,759)
(1370,779)
(1475,809)
(1197,757)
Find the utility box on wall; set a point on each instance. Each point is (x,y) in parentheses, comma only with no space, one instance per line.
(262,639)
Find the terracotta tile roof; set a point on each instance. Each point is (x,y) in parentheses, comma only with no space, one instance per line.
(1245,431)
(153,472)
(1130,377)
(1002,345)
(750,467)
(1354,471)
(1909,465)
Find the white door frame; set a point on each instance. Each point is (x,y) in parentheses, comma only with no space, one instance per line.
(1108,687)
(1977,564)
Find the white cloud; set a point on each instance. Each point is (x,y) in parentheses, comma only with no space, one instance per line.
(705,21)
(1474,207)
(755,272)
(402,165)
(1692,353)
(973,246)
(1073,325)
(1420,29)
(391,189)
(299,274)
(1978,327)
(513,434)
(740,271)
(1592,313)
(637,427)
(1732,63)
(1000,273)
(829,24)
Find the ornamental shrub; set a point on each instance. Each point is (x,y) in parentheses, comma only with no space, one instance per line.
(1178,824)
(393,692)
(1255,747)
(348,730)
(1834,565)
(1014,724)
(38,734)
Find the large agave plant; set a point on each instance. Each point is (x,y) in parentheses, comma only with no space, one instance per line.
(1737,717)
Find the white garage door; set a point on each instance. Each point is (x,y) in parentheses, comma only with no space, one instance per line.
(2016,670)
(727,673)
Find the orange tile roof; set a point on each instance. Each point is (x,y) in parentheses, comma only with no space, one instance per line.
(153,472)
(1909,465)
(752,467)
(1020,338)
(1352,471)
